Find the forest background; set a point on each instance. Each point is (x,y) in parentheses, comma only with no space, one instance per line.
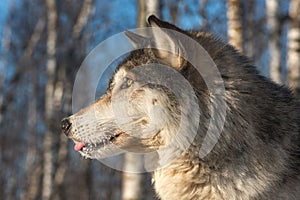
(44,42)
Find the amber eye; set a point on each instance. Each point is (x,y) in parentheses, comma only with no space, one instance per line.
(127,83)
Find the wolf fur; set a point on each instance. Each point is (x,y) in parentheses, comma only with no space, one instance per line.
(257,154)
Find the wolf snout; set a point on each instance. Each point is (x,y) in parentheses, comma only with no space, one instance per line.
(65,126)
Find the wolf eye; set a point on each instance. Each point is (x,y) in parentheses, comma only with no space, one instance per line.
(127,83)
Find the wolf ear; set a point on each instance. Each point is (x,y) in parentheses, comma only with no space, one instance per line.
(136,40)
(154,21)
(164,38)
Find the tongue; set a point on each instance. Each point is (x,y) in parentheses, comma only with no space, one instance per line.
(78,146)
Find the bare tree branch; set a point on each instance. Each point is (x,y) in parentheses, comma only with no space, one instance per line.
(35,37)
(83,17)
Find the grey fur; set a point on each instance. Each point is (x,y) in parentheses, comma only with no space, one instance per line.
(257,155)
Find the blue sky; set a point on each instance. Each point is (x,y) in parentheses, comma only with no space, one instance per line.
(4,9)
(120,15)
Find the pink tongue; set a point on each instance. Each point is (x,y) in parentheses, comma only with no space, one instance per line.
(78,146)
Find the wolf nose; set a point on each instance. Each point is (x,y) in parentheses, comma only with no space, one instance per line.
(65,126)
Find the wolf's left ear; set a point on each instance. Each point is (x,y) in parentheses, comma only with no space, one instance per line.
(137,41)
(164,38)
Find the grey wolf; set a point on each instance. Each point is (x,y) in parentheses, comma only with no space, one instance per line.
(257,154)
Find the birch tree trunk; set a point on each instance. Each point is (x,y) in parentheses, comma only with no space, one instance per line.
(294,47)
(274,41)
(77,29)
(47,184)
(142,13)
(33,176)
(82,19)
(235,27)
(132,187)
(32,167)
(145,9)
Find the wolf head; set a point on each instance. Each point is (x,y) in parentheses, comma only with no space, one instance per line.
(141,111)
(156,99)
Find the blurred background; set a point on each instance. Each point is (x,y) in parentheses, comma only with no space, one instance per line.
(42,45)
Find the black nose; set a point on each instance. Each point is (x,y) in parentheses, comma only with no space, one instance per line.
(65,126)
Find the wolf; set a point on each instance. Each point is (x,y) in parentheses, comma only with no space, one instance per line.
(257,152)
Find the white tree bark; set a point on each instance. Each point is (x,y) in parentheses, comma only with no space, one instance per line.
(132,182)
(49,104)
(274,40)
(152,8)
(235,28)
(83,17)
(132,187)
(31,186)
(294,47)
(147,8)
